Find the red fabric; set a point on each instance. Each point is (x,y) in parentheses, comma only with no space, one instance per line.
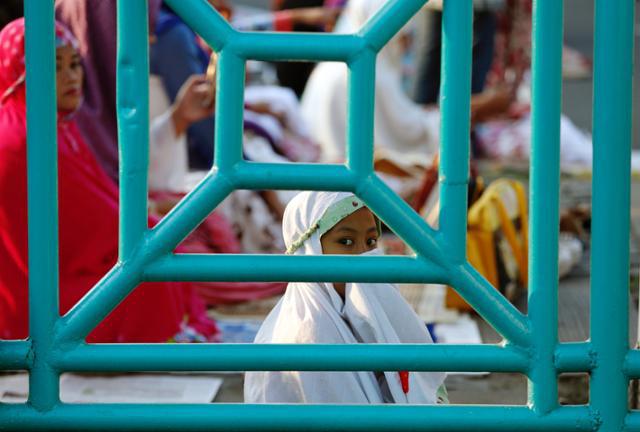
(215,235)
(283,21)
(88,228)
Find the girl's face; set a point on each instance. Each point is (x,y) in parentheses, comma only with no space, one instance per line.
(69,76)
(353,235)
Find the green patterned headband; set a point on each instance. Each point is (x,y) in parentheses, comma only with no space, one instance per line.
(329,219)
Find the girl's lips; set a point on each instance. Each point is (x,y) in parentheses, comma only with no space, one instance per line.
(72,92)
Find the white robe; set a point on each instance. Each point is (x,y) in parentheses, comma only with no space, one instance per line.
(315,313)
(400,124)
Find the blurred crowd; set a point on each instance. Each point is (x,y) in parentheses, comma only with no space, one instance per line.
(293,112)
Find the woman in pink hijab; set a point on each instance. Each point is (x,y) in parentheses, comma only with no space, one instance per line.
(88,216)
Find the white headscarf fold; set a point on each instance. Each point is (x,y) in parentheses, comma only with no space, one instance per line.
(315,313)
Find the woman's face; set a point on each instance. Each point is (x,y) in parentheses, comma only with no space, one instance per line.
(69,77)
(353,235)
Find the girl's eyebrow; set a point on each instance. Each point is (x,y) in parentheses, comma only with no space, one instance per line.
(372,229)
(346,229)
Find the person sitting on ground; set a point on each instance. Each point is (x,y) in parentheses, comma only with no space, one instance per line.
(88,216)
(403,128)
(317,223)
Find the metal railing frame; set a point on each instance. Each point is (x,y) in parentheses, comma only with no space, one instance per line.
(56,343)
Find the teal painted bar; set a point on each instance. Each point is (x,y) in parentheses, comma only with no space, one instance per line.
(612,102)
(76,324)
(531,345)
(16,355)
(298,176)
(574,357)
(632,422)
(187,214)
(42,200)
(267,46)
(455,94)
(295,268)
(388,21)
(236,418)
(205,21)
(632,364)
(244,357)
(405,222)
(229,109)
(132,97)
(360,113)
(544,200)
(490,304)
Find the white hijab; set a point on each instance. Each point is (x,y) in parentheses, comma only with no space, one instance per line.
(315,313)
(401,126)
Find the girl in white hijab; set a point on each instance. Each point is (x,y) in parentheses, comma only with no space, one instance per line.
(401,126)
(339,223)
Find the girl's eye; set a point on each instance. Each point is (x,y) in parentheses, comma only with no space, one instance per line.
(76,65)
(373,241)
(346,241)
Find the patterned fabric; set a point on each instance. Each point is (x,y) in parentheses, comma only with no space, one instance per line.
(512,56)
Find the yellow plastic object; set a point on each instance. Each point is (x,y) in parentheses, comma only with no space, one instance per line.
(501,208)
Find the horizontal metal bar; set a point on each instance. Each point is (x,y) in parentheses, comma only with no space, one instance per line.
(632,422)
(15,355)
(297,46)
(257,176)
(574,357)
(632,364)
(302,357)
(281,418)
(294,268)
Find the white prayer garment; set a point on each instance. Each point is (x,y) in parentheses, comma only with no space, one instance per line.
(314,313)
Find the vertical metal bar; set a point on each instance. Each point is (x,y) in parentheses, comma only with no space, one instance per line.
(544,196)
(132,96)
(362,88)
(613,76)
(42,194)
(455,96)
(228,133)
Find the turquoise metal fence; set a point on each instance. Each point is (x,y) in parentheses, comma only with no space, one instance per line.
(56,344)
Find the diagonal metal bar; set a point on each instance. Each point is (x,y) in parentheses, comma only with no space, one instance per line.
(405,222)
(250,268)
(99,302)
(204,20)
(401,218)
(391,17)
(187,214)
(42,199)
(490,304)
